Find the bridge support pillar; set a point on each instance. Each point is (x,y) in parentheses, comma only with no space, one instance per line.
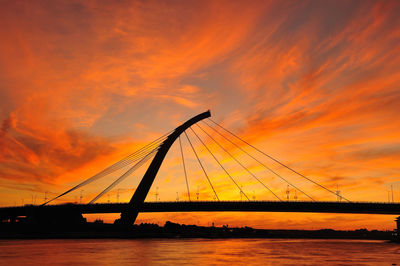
(398,225)
(129,215)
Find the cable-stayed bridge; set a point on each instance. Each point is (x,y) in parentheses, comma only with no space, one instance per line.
(157,151)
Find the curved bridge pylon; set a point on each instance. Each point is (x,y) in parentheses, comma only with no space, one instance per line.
(129,215)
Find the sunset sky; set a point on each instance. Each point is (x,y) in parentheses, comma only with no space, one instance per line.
(312,83)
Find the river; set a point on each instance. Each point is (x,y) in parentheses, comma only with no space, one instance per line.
(198,252)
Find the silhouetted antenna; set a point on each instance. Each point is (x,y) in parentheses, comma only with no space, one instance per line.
(80,198)
(33,199)
(118,196)
(45,196)
(287,192)
(197,194)
(108,198)
(156,194)
(254,195)
(295,195)
(391,188)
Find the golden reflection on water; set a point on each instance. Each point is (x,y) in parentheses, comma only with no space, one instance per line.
(198,252)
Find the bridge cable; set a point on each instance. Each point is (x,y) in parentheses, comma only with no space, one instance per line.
(215,158)
(237,161)
(144,149)
(126,161)
(116,166)
(124,176)
(138,154)
(91,179)
(282,164)
(201,165)
(184,167)
(105,172)
(269,169)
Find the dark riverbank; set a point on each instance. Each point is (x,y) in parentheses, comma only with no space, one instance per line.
(173,230)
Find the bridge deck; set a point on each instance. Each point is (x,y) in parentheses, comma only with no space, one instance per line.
(219,206)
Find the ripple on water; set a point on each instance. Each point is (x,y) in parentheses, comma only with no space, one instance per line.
(198,251)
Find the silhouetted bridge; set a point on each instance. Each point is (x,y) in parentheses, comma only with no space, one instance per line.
(158,150)
(215,206)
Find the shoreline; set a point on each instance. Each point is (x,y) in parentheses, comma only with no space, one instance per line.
(172,230)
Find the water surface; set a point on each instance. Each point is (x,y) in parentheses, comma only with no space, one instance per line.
(198,252)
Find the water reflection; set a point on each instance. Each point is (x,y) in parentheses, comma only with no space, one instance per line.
(195,251)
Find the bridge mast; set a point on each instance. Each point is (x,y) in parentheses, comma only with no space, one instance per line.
(128,216)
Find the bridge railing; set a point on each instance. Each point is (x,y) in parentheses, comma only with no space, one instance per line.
(205,201)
